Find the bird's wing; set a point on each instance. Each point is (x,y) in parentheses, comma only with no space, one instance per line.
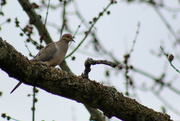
(46,53)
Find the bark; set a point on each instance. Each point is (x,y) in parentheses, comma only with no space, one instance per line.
(68,85)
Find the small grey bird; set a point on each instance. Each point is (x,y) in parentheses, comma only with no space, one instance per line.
(53,54)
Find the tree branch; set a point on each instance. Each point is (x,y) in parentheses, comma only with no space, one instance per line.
(35,19)
(90,62)
(68,85)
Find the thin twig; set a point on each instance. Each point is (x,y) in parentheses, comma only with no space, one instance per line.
(47,12)
(166,103)
(87,33)
(28,49)
(3,23)
(163,100)
(63,19)
(33,108)
(77,29)
(29,37)
(0,6)
(78,14)
(166,23)
(134,41)
(126,60)
(169,61)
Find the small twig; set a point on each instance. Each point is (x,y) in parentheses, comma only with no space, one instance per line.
(44,29)
(169,60)
(173,109)
(90,62)
(5,116)
(134,41)
(163,100)
(126,60)
(53,7)
(63,19)
(87,33)
(83,52)
(33,108)
(28,49)
(29,37)
(47,12)
(7,21)
(77,29)
(106,52)
(166,23)
(175,10)
(79,15)
(0,7)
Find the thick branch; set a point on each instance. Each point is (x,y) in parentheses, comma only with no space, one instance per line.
(68,85)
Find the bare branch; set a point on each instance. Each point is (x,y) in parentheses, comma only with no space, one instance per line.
(87,33)
(169,60)
(36,20)
(167,24)
(90,62)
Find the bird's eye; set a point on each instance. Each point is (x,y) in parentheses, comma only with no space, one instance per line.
(67,36)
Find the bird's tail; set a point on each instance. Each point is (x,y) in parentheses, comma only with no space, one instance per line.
(16,87)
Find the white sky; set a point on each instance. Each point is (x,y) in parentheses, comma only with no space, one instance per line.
(116,32)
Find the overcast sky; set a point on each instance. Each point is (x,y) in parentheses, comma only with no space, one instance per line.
(116,32)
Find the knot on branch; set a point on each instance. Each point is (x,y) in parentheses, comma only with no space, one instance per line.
(90,62)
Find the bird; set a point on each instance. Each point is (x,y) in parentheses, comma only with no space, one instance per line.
(53,54)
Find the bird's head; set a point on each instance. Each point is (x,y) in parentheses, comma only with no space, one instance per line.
(67,38)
